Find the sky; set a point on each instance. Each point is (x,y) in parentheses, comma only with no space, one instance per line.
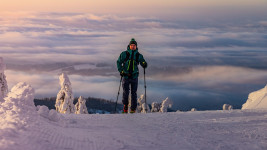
(200,54)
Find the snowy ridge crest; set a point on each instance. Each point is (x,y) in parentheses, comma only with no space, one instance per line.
(256,100)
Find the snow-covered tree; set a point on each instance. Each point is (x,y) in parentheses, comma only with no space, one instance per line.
(64,102)
(141,106)
(145,108)
(165,105)
(155,107)
(80,106)
(193,109)
(3,82)
(227,107)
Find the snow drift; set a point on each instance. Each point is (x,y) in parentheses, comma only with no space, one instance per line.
(257,100)
(18,116)
(17,111)
(52,114)
(3,82)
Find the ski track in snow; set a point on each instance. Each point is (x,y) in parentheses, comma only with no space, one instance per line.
(216,130)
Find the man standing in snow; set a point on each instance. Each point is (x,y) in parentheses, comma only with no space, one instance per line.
(127,64)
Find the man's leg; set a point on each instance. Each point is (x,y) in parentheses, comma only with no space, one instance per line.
(134,85)
(125,85)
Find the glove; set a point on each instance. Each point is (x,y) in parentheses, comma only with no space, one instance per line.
(144,64)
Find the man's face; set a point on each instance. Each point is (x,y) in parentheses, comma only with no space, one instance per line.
(133,47)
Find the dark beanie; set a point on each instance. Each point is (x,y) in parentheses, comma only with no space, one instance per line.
(133,42)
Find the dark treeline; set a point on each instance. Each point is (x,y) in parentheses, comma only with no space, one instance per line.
(91,104)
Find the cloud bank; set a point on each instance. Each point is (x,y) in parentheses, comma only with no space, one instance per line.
(187,59)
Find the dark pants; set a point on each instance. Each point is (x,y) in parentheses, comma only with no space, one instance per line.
(126,83)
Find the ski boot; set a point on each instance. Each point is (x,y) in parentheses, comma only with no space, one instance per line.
(132,111)
(125,109)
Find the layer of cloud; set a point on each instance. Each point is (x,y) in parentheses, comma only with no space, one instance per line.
(46,35)
(199,87)
(186,59)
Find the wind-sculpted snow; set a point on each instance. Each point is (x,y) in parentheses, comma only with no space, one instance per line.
(49,114)
(193,109)
(3,82)
(64,102)
(167,103)
(227,107)
(26,127)
(155,107)
(257,100)
(217,130)
(17,112)
(22,128)
(80,106)
(142,106)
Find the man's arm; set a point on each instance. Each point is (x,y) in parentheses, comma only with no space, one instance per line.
(119,62)
(142,61)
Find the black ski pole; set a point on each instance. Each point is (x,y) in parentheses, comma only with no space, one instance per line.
(145,88)
(118,96)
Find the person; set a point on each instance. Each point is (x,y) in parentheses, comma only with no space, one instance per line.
(127,65)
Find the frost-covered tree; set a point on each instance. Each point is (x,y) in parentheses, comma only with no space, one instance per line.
(3,82)
(193,109)
(80,106)
(165,105)
(227,107)
(155,107)
(141,106)
(145,108)
(64,102)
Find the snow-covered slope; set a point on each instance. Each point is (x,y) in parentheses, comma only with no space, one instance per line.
(3,82)
(23,127)
(257,100)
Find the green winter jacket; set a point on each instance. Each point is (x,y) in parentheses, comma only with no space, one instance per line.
(130,66)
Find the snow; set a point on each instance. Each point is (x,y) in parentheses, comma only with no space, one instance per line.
(64,101)
(193,109)
(49,114)
(17,113)
(142,107)
(227,107)
(80,106)
(24,126)
(167,103)
(155,107)
(3,82)
(231,130)
(257,100)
